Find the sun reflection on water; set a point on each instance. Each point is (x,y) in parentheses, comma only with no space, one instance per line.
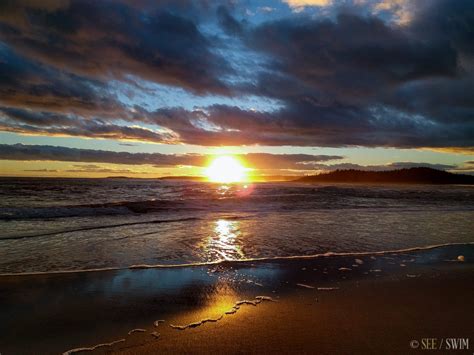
(223,243)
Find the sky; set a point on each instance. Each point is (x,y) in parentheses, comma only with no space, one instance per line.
(152,88)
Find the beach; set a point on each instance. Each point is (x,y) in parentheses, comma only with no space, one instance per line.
(236,177)
(363,318)
(143,267)
(354,303)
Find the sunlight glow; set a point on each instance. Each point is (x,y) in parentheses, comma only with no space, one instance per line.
(226,169)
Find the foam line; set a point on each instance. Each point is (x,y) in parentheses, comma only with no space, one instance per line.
(305,257)
(234,309)
(305,286)
(92,348)
(243,261)
(137,330)
(156,323)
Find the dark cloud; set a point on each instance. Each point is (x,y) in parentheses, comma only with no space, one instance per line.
(444,101)
(51,124)
(228,22)
(305,123)
(55,153)
(113,39)
(356,80)
(254,160)
(351,57)
(28,117)
(348,79)
(25,83)
(451,21)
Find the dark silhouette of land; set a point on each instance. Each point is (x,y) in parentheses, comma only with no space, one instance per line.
(420,175)
(402,176)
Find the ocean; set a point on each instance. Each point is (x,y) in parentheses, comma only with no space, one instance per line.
(55,225)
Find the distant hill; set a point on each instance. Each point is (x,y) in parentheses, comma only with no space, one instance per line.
(402,176)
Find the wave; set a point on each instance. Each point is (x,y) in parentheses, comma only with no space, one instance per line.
(92,210)
(230,263)
(263,197)
(89,228)
(99,227)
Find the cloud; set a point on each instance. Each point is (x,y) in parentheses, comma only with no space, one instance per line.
(113,39)
(25,83)
(56,124)
(358,80)
(91,168)
(89,129)
(265,163)
(266,9)
(466,168)
(303,3)
(455,150)
(253,160)
(286,161)
(349,76)
(353,57)
(228,22)
(42,170)
(402,9)
(406,165)
(307,123)
(298,124)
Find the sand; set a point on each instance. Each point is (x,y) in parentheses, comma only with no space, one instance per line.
(288,306)
(365,317)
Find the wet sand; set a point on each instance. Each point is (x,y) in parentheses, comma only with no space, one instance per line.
(369,304)
(367,317)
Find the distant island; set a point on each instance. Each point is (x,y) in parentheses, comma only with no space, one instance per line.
(402,176)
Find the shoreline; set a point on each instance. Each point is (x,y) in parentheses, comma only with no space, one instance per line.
(236,262)
(54,313)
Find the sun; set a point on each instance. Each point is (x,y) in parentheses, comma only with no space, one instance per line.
(226,169)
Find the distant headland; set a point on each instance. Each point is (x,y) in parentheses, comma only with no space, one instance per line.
(419,175)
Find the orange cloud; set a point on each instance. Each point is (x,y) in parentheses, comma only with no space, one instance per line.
(303,3)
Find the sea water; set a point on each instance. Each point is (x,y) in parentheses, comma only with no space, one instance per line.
(54,225)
